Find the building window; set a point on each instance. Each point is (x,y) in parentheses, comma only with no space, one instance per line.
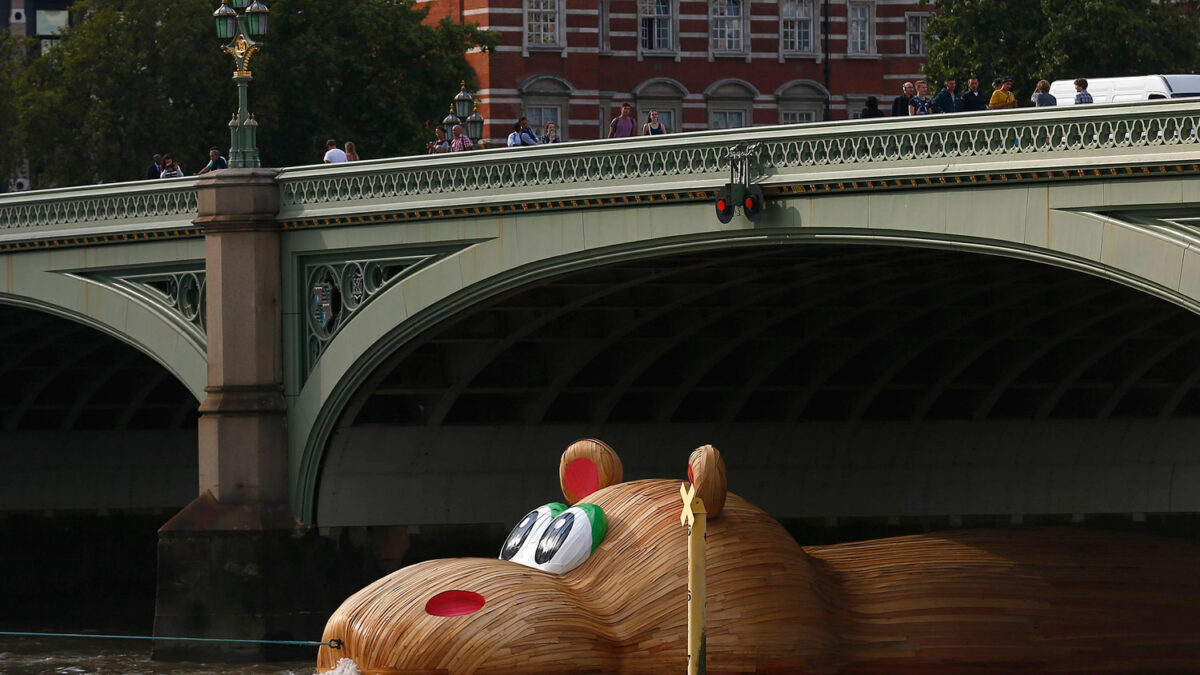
(655,28)
(51,22)
(728,119)
(540,114)
(915,33)
(859,28)
(664,95)
(796,116)
(796,25)
(726,19)
(541,23)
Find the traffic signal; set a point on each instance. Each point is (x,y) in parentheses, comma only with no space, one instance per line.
(725,204)
(753,202)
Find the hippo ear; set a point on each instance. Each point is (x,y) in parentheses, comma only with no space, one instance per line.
(586,466)
(706,470)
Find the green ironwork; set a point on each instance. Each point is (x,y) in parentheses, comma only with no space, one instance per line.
(242,27)
(930,146)
(176,293)
(335,289)
(154,204)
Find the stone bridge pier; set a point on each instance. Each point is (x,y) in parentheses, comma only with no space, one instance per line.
(235,563)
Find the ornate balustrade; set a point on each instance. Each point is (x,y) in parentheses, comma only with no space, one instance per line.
(117,210)
(882,150)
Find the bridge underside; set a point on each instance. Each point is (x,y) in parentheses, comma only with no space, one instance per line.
(89,423)
(840,381)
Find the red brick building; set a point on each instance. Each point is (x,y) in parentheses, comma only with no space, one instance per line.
(702,64)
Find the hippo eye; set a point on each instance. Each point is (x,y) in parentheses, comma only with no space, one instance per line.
(529,530)
(570,539)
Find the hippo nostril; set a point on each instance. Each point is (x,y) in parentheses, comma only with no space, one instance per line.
(454,603)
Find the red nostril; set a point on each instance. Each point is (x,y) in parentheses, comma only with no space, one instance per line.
(454,603)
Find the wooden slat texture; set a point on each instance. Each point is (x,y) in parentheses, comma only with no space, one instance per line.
(982,601)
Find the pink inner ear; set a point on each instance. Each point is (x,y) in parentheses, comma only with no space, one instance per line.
(582,478)
(691,476)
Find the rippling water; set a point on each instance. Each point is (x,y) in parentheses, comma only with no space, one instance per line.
(38,656)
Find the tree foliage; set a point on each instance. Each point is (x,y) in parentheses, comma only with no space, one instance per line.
(1060,39)
(134,77)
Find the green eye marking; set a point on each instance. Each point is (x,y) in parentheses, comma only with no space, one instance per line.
(595,516)
(555,509)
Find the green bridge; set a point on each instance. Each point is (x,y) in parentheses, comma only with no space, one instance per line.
(948,318)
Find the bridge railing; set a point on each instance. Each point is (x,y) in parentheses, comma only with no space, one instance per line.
(119,209)
(1041,139)
(943,147)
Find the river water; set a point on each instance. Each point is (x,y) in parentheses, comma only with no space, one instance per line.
(70,656)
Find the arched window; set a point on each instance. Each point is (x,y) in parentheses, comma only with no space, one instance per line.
(664,95)
(730,104)
(546,98)
(801,101)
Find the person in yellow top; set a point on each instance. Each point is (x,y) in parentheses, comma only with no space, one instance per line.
(1003,97)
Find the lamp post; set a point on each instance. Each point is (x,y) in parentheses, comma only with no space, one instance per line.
(465,111)
(241,29)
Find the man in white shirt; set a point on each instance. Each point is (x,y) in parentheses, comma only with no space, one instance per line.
(333,154)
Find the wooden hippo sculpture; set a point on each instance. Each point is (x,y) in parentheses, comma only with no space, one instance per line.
(996,601)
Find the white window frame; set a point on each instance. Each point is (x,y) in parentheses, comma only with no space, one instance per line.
(743,21)
(784,49)
(909,34)
(540,127)
(712,116)
(603,42)
(560,35)
(672,24)
(868,36)
(808,114)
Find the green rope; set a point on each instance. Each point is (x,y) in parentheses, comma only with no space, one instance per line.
(334,643)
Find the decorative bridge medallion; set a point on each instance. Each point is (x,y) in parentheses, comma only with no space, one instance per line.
(337,288)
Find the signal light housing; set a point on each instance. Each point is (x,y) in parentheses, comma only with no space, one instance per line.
(753,203)
(724,205)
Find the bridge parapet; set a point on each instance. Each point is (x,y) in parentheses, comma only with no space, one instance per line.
(876,153)
(85,214)
(1025,144)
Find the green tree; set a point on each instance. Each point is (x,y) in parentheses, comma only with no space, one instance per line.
(986,39)
(1109,38)
(1060,39)
(134,77)
(12,58)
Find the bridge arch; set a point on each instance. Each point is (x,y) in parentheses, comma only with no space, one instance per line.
(440,292)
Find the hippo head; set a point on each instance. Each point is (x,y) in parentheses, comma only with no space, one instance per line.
(598,584)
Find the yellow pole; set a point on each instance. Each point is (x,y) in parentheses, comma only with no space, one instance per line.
(694,518)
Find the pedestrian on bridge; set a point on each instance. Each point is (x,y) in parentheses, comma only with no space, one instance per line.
(215,162)
(334,154)
(461,142)
(551,135)
(351,152)
(171,168)
(900,103)
(522,135)
(623,125)
(441,144)
(155,169)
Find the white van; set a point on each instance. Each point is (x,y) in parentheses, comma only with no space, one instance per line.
(1129,89)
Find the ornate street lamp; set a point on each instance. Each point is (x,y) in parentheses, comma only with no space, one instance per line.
(449,121)
(241,29)
(462,101)
(475,126)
